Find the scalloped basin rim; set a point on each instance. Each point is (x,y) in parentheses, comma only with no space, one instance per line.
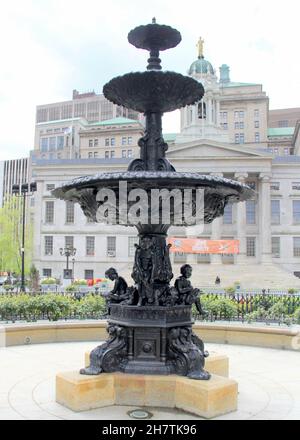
(159,178)
(156,91)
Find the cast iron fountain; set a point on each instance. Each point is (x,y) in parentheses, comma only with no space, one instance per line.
(150,323)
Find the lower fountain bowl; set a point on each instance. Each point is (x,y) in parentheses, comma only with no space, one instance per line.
(216,191)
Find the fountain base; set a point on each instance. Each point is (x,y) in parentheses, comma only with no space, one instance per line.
(206,399)
(150,340)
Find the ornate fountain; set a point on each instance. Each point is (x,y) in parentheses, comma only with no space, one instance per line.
(150,322)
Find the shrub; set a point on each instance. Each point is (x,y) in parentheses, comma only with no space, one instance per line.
(297,315)
(291,291)
(219,307)
(230,289)
(48,281)
(258,315)
(90,306)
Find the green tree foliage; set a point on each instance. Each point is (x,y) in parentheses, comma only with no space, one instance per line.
(11,236)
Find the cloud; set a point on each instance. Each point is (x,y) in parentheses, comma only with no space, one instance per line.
(50,47)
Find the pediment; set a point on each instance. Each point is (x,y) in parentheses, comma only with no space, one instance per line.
(207,148)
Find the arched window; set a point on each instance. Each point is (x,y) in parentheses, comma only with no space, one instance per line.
(202,110)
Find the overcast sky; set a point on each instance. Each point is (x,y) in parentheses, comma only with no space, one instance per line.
(50,47)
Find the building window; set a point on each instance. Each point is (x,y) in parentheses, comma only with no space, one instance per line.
(237,138)
(47,273)
(129,153)
(48,245)
(90,155)
(227,217)
(60,142)
(224,126)
(296,211)
(275,212)
(256,124)
(44,144)
(276,247)
(107,142)
(236,125)
(69,241)
(250,212)
(242,138)
(242,125)
(129,140)
(286,151)
(131,248)
(250,249)
(284,123)
(257,137)
(106,154)
(96,142)
(124,153)
(90,246)
(88,274)
(296,186)
(202,110)
(276,150)
(50,186)
(256,113)
(275,186)
(95,154)
(296,246)
(111,246)
(49,212)
(112,154)
(241,114)
(70,210)
(52,144)
(252,185)
(236,115)
(112,142)
(90,142)
(123,141)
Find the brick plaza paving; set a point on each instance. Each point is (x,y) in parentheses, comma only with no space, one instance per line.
(269,383)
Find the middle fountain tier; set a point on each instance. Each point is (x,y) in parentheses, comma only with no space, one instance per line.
(150,322)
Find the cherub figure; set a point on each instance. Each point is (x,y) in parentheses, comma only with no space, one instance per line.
(186,292)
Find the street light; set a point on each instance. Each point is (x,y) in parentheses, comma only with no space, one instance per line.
(73,264)
(67,252)
(24,190)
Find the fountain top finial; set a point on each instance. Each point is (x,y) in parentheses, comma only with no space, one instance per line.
(153,20)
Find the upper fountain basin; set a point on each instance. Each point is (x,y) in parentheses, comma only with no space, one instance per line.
(153,91)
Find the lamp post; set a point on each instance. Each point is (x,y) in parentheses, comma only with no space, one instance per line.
(24,190)
(67,252)
(73,264)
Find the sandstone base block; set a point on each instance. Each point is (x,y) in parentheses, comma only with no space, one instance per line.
(207,399)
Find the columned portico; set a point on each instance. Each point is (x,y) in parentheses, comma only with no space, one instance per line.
(265,218)
(241,223)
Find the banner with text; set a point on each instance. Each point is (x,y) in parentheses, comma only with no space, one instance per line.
(202,246)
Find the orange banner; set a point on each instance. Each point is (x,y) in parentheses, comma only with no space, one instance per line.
(202,246)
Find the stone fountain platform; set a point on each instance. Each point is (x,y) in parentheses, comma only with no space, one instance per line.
(207,399)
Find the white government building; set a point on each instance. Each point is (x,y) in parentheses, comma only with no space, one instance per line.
(230,133)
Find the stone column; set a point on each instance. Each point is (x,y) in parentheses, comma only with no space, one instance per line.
(208,111)
(218,113)
(241,223)
(265,219)
(216,229)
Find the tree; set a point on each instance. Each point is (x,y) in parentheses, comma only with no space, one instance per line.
(11,236)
